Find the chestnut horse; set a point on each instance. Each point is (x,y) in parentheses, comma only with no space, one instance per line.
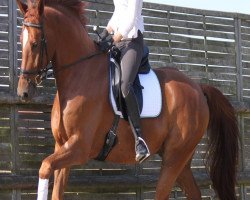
(54,30)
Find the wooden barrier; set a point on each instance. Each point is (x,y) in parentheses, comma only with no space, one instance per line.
(209,46)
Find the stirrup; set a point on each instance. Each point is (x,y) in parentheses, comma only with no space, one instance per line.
(142,153)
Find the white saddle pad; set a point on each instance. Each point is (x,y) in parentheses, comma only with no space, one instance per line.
(152,98)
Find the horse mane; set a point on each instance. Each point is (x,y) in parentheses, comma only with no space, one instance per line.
(77,6)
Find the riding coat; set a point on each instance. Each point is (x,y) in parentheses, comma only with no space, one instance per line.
(127,18)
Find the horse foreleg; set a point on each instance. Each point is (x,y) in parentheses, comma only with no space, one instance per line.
(74,152)
(188,184)
(60,179)
(60,182)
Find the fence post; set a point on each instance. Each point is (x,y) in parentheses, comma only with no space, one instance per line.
(169,41)
(16,194)
(239,84)
(205,49)
(238,51)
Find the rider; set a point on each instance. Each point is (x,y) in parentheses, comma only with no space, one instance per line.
(127,25)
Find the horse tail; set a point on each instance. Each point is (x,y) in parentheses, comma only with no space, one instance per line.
(223,136)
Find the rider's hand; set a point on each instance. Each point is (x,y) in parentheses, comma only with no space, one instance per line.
(117,37)
(104,34)
(106,44)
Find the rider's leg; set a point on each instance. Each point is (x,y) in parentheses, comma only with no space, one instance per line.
(131,55)
(141,149)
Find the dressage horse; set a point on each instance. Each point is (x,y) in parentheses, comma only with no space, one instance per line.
(54,31)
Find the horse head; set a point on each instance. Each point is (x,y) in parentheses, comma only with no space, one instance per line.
(35,52)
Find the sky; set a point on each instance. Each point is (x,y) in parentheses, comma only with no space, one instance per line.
(239,6)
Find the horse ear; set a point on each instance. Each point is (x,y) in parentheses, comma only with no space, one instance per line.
(40,6)
(22,6)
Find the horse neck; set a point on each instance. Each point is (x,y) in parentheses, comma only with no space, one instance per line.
(71,39)
(71,43)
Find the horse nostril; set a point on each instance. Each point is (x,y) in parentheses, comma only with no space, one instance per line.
(25,95)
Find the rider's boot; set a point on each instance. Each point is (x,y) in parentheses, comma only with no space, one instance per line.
(141,148)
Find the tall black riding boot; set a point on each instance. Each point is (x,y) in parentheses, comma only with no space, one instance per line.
(141,148)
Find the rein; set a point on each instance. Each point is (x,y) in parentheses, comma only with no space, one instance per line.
(63,67)
(43,73)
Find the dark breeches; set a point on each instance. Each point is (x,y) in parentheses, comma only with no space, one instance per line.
(131,55)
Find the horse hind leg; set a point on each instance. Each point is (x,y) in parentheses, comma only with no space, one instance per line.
(188,184)
(176,156)
(170,171)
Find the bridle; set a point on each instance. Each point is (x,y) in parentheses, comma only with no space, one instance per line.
(42,74)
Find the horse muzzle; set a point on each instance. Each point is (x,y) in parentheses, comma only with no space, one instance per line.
(26,89)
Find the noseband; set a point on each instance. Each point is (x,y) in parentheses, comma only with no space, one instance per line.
(42,73)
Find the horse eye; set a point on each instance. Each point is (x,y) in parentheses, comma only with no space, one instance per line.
(34,45)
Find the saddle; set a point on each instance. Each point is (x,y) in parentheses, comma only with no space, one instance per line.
(115,76)
(148,93)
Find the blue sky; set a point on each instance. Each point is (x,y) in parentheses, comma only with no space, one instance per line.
(240,6)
